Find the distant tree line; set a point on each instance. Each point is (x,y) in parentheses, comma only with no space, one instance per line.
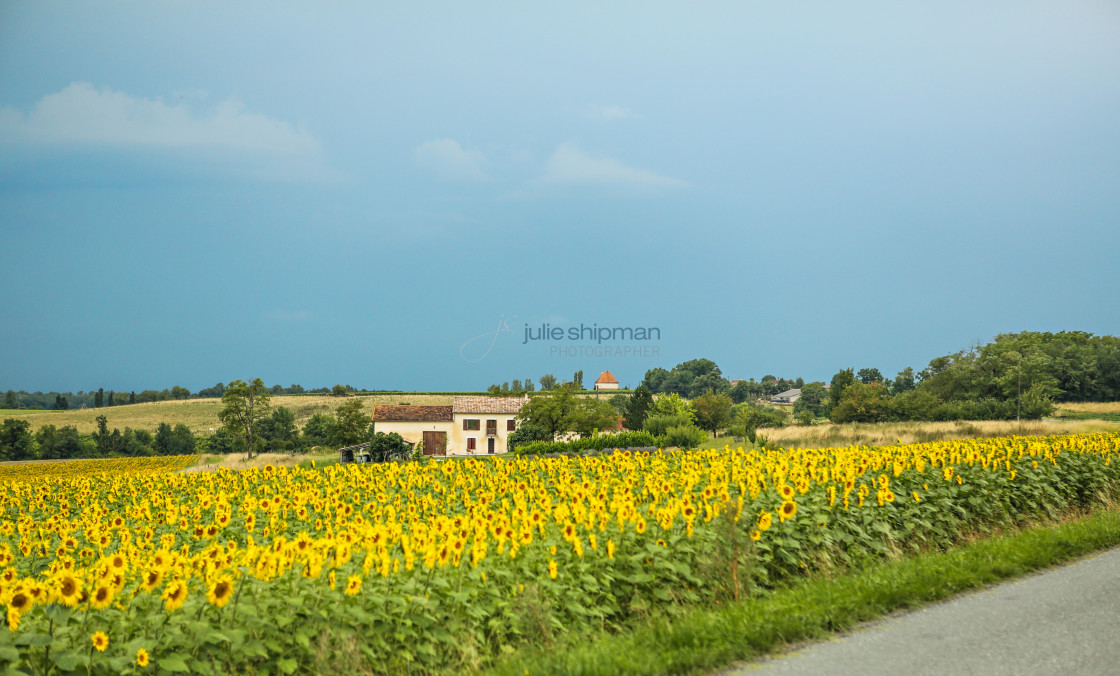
(102,398)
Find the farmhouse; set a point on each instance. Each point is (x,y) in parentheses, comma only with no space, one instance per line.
(787,397)
(606,382)
(469,426)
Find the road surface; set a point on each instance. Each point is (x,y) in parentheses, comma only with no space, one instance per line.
(1062,621)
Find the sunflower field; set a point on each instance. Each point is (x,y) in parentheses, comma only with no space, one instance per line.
(126,566)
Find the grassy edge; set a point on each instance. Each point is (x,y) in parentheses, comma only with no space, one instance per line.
(707,639)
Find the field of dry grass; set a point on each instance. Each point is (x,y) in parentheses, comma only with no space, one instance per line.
(865,434)
(237,461)
(1090,407)
(200,415)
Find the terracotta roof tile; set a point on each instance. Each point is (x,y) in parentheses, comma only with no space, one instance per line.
(488,404)
(413,413)
(607,378)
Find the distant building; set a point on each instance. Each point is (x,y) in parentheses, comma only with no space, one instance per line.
(469,426)
(787,397)
(606,382)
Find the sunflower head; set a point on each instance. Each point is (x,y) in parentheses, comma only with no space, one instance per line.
(100,641)
(220,591)
(142,658)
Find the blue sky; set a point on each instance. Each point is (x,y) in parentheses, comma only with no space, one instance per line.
(197,192)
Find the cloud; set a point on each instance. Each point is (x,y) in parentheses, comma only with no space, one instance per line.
(608,113)
(570,165)
(448,160)
(81,115)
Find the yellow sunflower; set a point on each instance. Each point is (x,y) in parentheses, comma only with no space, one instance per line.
(174,594)
(142,658)
(220,591)
(100,641)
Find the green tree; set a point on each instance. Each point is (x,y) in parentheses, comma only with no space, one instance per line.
(861,403)
(178,392)
(672,404)
(548,381)
(385,447)
(59,444)
(869,375)
(659,424)
(562,411)
(60,403)
(637,407)
(280,429)
(319,430)
(713,411)
(10,401)
(840,381)
(904,381)
(99,398)
(351,424)
(592,415)
(813,401)
(577,378)
(16,442)
(102,438)
(338,391)
(246,404)
(527,433)
(110,401)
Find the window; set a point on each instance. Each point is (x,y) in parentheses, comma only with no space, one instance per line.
(471,443)
(511,425)
(470,423)
(491,426)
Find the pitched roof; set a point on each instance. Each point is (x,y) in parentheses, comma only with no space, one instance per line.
(488,404)
(413,413)
(607,378)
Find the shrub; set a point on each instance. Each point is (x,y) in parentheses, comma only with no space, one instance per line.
(685,437)
(596,443)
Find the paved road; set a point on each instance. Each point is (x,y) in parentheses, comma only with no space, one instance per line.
(1063,621)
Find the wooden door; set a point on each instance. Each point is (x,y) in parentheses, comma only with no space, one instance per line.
(490,445)
(435,443)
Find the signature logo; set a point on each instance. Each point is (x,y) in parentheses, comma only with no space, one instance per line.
(472,346)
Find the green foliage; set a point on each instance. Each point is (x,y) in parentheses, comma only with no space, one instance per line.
(684,437)
(862,403)
(813,401)
(703,638)
(385,447)
(62,444)
(689,379)
(174,441)
(840,382)
(713,411)
(351,424)
(246,404)
(16,442)
(672,404)
(637,408)
(318,430)
(659,425)
(526,433)
(548,381)
(561,411)
(639,439)
(279,431)
(868,376)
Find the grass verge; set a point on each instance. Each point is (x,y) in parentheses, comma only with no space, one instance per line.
(701,640)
